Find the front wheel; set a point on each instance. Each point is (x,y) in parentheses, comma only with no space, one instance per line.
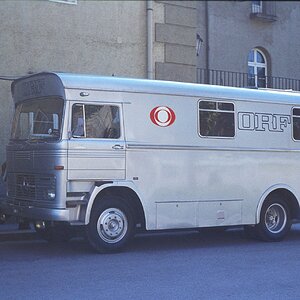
(111,225)
(275,220)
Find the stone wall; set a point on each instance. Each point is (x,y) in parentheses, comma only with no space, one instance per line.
(176,34)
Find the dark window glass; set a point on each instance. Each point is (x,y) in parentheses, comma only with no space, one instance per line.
(225,106)
(296,128)
(207,105)
(296,123)
(102,121)
(251,76)
(250,70)
(217,123)
(261,77)
(77,121)
(296,111)
(259,58)
(38,119)
(96,121)
(251,56)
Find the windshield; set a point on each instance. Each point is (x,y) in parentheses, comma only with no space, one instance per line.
(38,119)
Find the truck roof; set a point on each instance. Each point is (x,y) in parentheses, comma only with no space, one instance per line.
(132,85)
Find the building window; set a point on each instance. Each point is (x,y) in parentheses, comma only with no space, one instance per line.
(257,69)
(216,119)
(296,124)
(257,7)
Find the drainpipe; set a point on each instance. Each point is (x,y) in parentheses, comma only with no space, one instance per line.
(149,39)
(207,43)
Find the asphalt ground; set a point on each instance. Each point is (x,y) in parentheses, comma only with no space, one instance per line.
(208,265)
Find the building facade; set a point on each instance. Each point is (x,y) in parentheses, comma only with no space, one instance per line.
(249,43)
(237,43)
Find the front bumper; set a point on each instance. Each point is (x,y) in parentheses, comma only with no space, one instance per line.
(35,213)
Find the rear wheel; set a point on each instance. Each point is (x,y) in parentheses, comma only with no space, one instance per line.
(111,225)
(275,220)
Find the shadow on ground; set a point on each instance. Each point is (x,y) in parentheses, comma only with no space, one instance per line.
(143,243)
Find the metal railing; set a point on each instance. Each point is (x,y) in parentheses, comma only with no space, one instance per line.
(238,79)
(263,9)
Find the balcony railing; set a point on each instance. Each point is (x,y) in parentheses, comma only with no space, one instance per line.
(238,79)
(263,10)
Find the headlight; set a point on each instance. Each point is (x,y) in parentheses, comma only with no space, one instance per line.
(51,195)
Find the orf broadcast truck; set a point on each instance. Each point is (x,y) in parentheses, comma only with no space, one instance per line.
(118,155)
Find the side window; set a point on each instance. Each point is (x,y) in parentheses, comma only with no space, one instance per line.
(296,124)
(78,121)
(216,119)
(95,121)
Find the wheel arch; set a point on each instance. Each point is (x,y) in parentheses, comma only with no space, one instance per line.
(130,197)
(283,191)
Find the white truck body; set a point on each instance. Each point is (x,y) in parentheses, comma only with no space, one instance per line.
(191,155)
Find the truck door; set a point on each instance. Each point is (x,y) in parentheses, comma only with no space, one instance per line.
(96,147)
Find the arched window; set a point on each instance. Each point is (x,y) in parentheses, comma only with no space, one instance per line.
(257,68)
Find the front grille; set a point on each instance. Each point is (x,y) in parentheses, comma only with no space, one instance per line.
(27,155)
(30,187)
(25,187)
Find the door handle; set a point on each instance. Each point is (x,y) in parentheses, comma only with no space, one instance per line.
(118,147)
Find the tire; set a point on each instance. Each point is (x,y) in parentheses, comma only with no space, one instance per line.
(275,220)
(250,232)
(111,225)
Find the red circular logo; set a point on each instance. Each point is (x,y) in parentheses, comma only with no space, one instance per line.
(162,116)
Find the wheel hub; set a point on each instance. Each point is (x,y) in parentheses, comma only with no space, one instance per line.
(112,225)
(275,218)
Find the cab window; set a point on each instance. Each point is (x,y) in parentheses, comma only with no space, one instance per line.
(95,121)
